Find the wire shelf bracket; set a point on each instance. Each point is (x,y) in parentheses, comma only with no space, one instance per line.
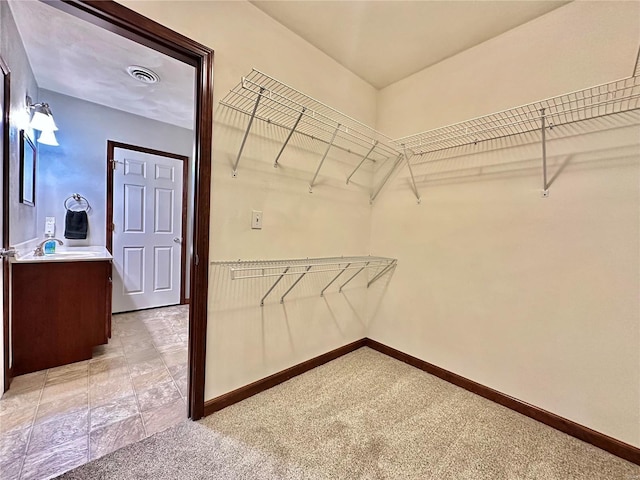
(386,178)
(362,161)
(334,279)
(293,129)
(273,286)
(382,272)
(545,184)
(326,152)
(352,277)
(295,283)
(246,133)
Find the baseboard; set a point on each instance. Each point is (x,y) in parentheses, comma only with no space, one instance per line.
(258,386)
(600,440)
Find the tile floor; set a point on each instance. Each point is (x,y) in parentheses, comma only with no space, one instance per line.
(55,420)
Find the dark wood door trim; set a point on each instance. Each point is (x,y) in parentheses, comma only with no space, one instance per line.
(6,108)
(111,146)
(123,21)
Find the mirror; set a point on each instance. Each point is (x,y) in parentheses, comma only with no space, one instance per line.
(28,155)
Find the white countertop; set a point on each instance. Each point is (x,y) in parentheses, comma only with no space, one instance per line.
(65,254)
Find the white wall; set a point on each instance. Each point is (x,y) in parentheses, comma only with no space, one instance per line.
(79,164)
(537,298)
(245,342)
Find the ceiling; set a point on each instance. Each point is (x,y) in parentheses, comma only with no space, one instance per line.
(76,58)
(380,41)
(385,41)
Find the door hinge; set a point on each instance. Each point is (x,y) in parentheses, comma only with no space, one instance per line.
(196,259)
(113,227)
(114,163)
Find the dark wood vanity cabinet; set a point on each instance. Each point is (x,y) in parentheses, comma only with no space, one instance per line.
(60,311)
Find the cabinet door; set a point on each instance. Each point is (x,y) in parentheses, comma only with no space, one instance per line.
(58,314)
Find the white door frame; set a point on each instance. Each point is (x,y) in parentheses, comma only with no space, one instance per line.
(186,239)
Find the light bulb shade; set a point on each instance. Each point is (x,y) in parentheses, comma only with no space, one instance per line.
(47,137)
(43,119)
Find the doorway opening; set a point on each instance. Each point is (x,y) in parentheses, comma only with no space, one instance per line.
(148,200)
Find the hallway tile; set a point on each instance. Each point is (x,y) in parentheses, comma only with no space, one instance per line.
(113,412)
(157,396)
(60,418)
(166,416)
(103,392)
(67,373)
(60,391)
(150,379)
(116,435)
(13,446)
(63,406)
(59,430)
(48,463)
(17,419)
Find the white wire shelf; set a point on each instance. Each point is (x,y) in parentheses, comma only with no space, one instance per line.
(262,97)
(278,269)
(606,99)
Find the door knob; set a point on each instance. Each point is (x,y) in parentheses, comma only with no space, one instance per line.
(177,240)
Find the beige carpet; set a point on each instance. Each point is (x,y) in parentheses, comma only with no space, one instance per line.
(363,416)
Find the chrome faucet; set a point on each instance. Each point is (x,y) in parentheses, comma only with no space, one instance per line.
(39,252)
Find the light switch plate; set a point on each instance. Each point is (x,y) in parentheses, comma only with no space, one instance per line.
(256,220)
(50,226)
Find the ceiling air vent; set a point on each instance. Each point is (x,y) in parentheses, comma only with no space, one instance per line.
(143,74)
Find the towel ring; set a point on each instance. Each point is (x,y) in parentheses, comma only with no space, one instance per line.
(78,198)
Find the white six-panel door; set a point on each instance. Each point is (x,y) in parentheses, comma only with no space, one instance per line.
(147,236)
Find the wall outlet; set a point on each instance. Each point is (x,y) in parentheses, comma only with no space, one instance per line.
(50,226)
(256,220)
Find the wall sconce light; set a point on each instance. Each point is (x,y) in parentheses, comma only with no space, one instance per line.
(48,138)
(43,120)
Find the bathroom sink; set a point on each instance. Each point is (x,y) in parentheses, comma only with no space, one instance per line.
(78,253)
(72,254)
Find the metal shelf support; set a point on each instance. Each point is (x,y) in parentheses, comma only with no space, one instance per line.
(545,185)
(274,286)
(386,178)
(326,152)
(333,280)
(246,133)
(362,161)
(352,277)
(295,283)
(413,180)
(293,129)
(384,270)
